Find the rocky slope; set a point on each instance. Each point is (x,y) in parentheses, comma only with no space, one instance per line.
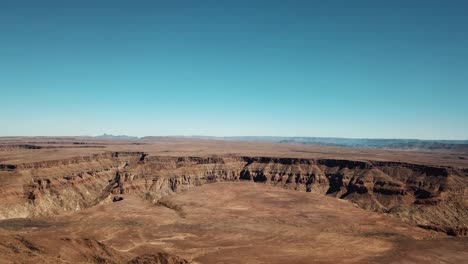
(428,196)
(15,248)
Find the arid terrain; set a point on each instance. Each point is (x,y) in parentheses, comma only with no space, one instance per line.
(174,200)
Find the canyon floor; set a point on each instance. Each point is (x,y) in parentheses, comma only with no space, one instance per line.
(68,200)
(235,223)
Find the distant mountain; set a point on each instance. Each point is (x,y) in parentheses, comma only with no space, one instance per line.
(117,137)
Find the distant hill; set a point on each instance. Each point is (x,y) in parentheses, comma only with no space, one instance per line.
(117,137)
(405,144)
(381,143)
(416,144)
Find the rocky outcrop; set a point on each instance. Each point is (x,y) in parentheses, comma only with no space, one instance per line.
(431,197)
(7,167)
(19,146)
(16,248)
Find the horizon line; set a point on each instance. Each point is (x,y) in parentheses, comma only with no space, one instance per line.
(222,137)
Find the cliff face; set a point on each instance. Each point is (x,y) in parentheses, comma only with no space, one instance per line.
(431,197)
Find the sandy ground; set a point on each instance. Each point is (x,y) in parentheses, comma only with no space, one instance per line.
(250,223)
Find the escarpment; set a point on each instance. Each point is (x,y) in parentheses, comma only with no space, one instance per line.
(428,196)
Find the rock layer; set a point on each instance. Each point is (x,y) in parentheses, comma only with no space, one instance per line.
(428,196)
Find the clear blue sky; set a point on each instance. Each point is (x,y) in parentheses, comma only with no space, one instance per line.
(379,69)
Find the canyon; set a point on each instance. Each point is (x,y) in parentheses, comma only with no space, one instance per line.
(166,200)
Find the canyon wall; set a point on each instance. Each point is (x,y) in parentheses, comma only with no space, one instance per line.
(428,196)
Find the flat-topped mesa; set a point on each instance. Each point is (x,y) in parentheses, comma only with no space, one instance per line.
(429,196)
